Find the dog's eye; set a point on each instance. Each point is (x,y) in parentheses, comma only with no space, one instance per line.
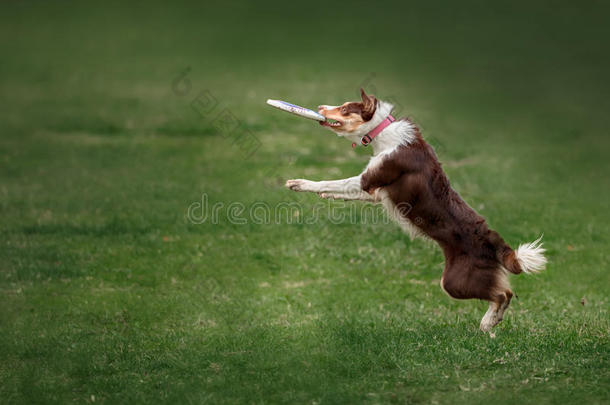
(343,111)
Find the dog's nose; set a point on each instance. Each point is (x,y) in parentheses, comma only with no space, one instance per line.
(321,107)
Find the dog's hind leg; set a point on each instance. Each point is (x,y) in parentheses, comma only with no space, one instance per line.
(495,312)
(490,319)
(499,302)
(462,280)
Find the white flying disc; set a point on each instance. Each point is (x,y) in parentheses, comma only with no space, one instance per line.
(297,110)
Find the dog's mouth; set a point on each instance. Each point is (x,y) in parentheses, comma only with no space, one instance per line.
(331,123)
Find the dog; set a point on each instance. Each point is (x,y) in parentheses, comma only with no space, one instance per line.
(405,176)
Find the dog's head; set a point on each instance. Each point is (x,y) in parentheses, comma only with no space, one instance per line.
(355,119)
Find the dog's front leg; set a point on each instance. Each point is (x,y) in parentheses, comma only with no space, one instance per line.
(352,196)
(343,186)
(347,189)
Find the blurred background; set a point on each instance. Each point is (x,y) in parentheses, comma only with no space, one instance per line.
(119,116)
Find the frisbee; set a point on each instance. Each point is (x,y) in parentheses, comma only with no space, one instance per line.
(296,109)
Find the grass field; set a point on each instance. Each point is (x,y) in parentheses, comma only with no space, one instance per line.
(111,292)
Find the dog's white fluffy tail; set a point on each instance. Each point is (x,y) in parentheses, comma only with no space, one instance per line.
(531,256)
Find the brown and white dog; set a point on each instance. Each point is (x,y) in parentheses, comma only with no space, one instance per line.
(405,176)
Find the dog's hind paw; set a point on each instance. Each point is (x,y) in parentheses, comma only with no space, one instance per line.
(490,320)
(487,325)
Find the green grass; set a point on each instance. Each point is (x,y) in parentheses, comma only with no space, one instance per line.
(110,294)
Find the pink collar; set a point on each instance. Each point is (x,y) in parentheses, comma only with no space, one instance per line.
(368,138)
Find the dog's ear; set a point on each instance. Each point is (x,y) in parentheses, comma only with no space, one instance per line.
(369,104)
(364,96)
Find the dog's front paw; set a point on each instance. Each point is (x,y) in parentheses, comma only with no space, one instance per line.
(327,196)
(297,184)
